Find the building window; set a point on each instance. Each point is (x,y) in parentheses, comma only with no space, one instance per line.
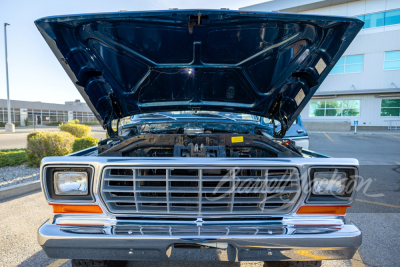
(348,64)
(345,108)
(390,107)
(392,60)
(381,19)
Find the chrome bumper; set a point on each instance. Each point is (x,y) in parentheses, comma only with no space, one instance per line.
(292,243)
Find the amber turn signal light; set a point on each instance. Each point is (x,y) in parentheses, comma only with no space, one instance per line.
(76,209)
(333,210)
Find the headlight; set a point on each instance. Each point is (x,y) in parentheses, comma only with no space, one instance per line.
(70,183)
(329,183)
(332,185)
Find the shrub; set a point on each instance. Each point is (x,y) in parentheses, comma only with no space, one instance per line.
(78,130)
(76,121)
(46,144)
(31,135)
(12,157)
(84,142)
(26,121)
(2,124)
(54,123)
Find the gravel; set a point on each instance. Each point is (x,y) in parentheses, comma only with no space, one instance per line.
(17,175)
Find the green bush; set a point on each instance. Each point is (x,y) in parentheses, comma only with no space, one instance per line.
(12,157)
(46,144)
(2,124)
(26,121)
(85,142)
(54,123)
(31,135)
(78,130)
(76,121)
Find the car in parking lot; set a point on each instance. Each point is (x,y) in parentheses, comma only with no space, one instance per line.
(297,132)
(194,169)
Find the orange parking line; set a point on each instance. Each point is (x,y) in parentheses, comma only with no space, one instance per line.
(377,203)
(328,137)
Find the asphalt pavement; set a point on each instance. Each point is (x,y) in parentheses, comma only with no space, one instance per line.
(377,215)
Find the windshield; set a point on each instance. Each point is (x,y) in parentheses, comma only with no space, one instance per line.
(186,114)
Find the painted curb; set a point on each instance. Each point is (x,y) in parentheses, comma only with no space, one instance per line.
(20,189)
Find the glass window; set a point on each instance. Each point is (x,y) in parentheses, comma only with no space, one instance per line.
(351,112)
(348,64)
(374,20)
(381,19)
(317,104)
(333,104)
(317,112)
(392,60)
(392,17)
(346,108)
(334,112)
(390,107)
(351,104)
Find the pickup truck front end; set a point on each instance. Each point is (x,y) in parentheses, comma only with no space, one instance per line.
(267,214)
(195,168)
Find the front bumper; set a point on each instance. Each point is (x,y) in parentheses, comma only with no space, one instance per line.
(290,243)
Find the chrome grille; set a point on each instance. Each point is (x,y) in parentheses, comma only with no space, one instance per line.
(198,230)
(200,191)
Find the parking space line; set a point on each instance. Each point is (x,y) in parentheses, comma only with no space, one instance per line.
(57,263)
(328,137)
(394,136)
(356,261)
(377,203)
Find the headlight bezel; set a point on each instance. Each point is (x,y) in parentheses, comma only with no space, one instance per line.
(48,176)
(344,199)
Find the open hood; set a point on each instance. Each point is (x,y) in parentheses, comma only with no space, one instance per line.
(261,63)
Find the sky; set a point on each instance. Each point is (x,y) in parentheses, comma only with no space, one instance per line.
(34,72)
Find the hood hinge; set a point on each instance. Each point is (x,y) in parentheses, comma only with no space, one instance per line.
(116,111)
(275,111)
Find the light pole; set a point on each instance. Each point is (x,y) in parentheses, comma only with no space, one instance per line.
(9,126)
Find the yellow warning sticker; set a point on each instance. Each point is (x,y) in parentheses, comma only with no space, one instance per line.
(237,139)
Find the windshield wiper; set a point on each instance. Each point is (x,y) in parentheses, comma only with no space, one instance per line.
(157,115)
(215,115)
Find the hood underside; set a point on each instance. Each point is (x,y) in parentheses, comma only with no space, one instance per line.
(266,64)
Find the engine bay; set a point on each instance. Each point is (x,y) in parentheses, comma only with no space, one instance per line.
(197,142)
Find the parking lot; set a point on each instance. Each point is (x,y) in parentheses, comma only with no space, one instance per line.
(377,216)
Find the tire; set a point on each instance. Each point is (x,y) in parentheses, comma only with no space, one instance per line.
(98,263)
(292,263)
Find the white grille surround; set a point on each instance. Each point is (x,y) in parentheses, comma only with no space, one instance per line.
(190,190)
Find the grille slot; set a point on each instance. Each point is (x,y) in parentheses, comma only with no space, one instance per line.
(200,191)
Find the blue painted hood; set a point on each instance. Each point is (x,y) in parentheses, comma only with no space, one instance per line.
(266,64)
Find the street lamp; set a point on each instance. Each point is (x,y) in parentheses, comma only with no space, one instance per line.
(9,126)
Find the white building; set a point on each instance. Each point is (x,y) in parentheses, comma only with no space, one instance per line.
(45,113)
(365,83)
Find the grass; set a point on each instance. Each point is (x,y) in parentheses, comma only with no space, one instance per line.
(12,157)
